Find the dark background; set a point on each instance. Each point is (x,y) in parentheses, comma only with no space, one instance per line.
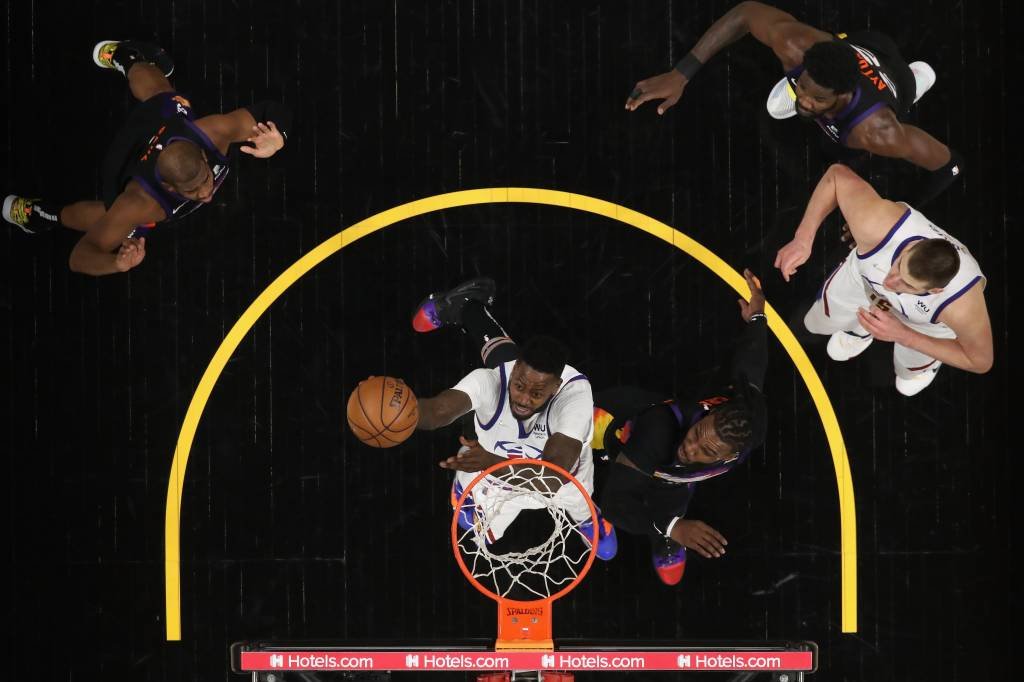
(290,528)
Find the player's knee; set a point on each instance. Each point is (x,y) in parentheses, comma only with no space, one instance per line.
(814,321)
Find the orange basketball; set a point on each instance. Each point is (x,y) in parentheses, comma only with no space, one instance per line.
(382,411)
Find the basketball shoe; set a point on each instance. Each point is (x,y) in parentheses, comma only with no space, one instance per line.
(669,558)
(845,345)
(30,214)
(121,54)
(607,543)
(444,308)
(467,512)
(913,386)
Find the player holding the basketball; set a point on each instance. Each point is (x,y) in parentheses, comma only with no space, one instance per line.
(527,402)
(906,281)
(162,166)
(659,448)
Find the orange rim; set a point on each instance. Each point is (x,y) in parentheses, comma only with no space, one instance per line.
(510,463)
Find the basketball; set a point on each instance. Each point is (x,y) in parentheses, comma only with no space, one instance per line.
(382,411)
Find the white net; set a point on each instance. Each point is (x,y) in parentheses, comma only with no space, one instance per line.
(522,540)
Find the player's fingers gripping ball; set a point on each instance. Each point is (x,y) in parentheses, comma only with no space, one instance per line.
(382,411)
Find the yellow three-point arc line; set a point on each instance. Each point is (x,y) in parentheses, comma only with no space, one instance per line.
(176,483)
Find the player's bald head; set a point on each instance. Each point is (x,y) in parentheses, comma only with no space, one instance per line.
(181,164)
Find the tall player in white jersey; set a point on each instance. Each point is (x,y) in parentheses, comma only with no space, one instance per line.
(906,281)
(527,402)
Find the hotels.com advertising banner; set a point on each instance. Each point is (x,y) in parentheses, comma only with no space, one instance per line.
(708,660)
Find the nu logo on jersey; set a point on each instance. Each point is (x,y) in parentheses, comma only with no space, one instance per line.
(513,448)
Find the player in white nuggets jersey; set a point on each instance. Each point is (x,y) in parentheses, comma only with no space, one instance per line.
(527,402)
(907,281)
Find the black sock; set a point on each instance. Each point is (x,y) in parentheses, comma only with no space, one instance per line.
(496,347)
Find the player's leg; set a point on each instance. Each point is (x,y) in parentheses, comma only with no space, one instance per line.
(38,215)
(914,371)
(146,66)
(468,306)
(667,556)
(82,215)
(834,312)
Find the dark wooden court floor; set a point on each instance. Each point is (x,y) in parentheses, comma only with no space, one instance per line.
(290,528)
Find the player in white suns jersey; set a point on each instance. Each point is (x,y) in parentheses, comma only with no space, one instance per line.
(907,281)
(527,402)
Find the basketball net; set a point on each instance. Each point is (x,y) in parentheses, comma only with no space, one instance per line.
(526,581)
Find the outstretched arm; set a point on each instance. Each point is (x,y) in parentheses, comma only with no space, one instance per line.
(263,125)
(787,38)
(869,216)
(442,409)
(750,359)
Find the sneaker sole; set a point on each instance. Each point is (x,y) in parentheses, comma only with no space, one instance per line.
(98,62)
(781,102)
(8,204)
(96,55)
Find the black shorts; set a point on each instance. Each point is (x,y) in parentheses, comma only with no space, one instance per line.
(130,142)
(888,54)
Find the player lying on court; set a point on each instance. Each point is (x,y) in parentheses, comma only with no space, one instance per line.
(527,402)
(856,87)
(906,281)
(660,448)
(163,164)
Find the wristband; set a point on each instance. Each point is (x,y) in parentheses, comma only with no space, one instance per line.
(757,316)
(689,65)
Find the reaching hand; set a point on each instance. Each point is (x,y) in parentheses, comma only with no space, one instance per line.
(471,457)
(699,536)
(668,86)
(791,256)
(882,324)
(130,254)
(266,140)
(756,303)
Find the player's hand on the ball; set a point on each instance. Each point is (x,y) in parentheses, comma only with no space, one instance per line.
(755,306)
(471,458)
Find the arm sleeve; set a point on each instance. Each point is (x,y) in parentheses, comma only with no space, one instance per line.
(268,110)
(637,504)
(623,503)
(750,360)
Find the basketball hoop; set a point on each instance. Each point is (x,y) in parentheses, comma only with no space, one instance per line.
(524,581)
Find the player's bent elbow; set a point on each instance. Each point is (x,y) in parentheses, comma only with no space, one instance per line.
(76,262)
(982,365)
